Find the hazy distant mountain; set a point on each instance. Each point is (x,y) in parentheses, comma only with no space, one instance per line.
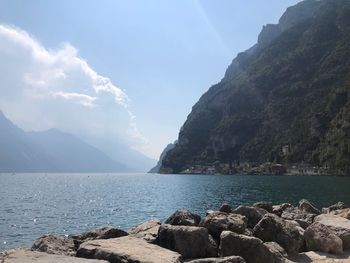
(164,152)
(134,160)
(49,151)
(18,152)
(292,89)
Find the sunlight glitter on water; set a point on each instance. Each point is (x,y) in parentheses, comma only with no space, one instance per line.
(70,204)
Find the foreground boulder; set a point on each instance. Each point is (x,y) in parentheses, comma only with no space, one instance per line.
(54,244)
(231,259)
(279,254)
(98,233)
(183,218)
(251,249)
(342,213)
(189,241)
(226,208)
(27,256)
(286,233)
(252,214)
(127,250)
(278,209)
(337,206)
(209,212)
(213,247)
(303,218)
(340,227)
(319,237)
(264,205)
(321,257)
(308,207)
(147,231)
(216,222)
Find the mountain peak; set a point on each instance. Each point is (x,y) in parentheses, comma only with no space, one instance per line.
(49,151)
(293,15)
(2,116)
(299,12)
(7,126)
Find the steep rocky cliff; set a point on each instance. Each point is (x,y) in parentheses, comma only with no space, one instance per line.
(289,90)
(156,168)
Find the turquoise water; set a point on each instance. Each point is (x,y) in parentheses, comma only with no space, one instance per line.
(34,204)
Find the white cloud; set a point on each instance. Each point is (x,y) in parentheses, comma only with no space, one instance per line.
(42,88)
(81,99)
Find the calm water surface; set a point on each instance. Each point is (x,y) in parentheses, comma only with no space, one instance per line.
(34,204)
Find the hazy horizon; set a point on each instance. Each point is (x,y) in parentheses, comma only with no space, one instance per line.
(122,72)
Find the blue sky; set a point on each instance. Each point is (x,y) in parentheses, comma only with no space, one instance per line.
(162,54)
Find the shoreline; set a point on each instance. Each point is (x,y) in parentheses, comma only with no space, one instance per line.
(214,174)
(262,232)
(262,174)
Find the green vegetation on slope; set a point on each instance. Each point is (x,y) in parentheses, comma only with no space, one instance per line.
(292,88)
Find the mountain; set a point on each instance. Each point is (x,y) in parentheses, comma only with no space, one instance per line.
(17,152)
(156,168)
(289,91)
(134,160)
(131,158)
(49,151)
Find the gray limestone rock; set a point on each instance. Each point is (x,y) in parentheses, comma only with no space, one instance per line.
(127,250)
(251,249)
(319,237)
(217,222)
(189,241)
(147,230)
(27,256)
(253,214)
(55,244)
(98,233)
(339,225)
(286,233)
(183,218)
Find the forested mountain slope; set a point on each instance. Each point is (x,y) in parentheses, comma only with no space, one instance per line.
(290,89)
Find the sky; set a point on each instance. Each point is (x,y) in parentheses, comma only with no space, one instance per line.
(126,71)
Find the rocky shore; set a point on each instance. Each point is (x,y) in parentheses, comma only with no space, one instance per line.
(259,233)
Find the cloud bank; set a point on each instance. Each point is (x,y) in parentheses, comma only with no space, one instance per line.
(42,89)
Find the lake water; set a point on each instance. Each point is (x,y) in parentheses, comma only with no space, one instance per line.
(34,204)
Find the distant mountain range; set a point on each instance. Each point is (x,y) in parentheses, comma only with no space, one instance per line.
(285,100)
(56,151)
